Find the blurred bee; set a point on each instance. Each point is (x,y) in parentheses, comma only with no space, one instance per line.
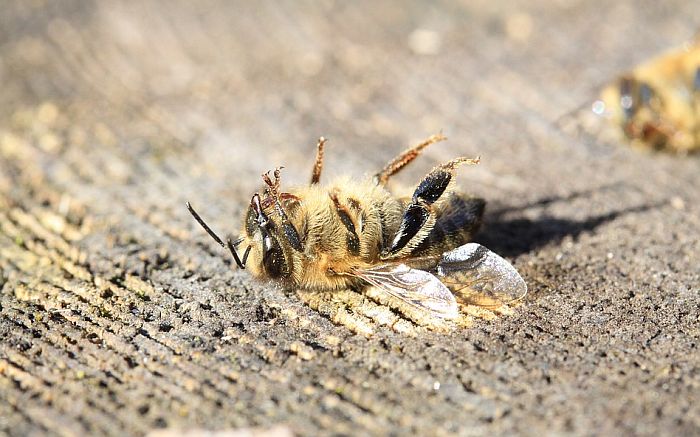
(353,234)
(657,105)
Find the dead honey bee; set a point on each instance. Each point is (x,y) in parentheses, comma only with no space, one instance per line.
(354,234)
(657,104)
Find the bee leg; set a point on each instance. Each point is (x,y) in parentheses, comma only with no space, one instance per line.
(405,158)
(318,163)
(272,187)
(288,228)
(274,197)
(420,215)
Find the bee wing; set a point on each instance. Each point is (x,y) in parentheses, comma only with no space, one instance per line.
(480,277)
(413,286)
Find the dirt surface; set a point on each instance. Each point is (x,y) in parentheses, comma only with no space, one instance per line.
(118,315)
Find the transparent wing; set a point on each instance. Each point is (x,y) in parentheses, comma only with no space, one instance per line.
(480,277)
(415,287)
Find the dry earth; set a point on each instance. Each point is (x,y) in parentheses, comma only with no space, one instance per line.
(118,315)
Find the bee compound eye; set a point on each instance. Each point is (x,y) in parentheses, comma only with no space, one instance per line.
(273,258)
(251,222)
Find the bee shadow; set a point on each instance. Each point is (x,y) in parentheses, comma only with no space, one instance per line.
(515,236)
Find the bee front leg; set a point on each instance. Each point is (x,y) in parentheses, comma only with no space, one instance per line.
(419,217)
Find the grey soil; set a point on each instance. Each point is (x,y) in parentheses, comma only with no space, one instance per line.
(118,315)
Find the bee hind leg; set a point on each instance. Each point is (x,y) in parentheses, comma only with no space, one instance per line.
(420,215)
(396,164)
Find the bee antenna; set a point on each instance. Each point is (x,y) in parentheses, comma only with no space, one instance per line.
(245,255)
(213,235)
(235,254)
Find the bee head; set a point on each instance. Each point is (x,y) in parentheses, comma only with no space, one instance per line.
(267,258)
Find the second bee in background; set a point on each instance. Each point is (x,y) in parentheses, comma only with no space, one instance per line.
(657,105)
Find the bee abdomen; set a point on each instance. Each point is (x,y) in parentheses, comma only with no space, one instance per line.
(456,225)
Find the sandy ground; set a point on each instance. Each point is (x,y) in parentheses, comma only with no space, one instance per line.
(118,315)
